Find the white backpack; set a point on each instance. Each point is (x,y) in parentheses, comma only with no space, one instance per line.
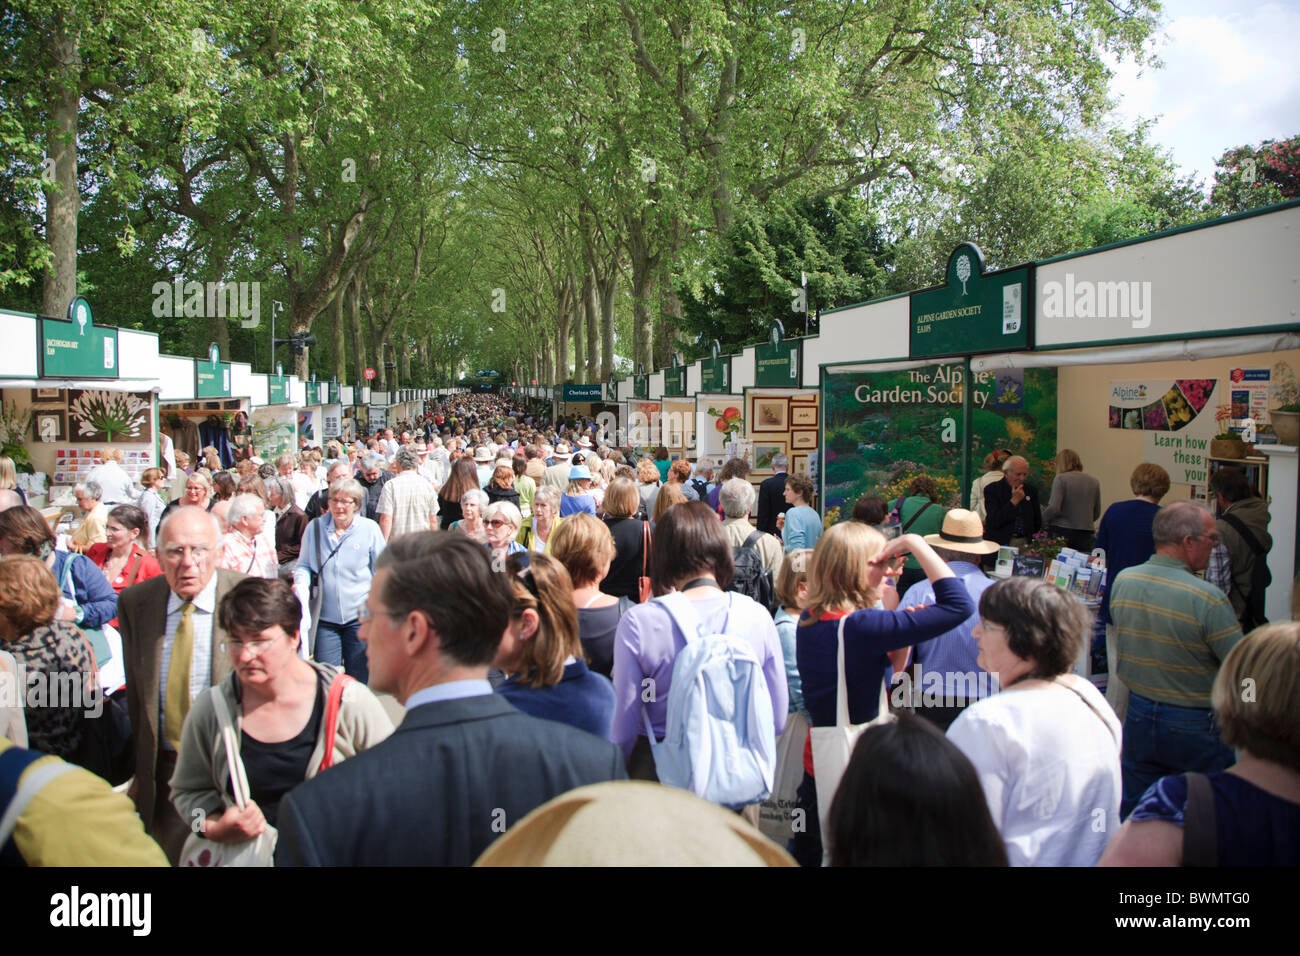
(720,735)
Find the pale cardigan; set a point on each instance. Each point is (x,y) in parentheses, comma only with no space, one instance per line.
(202,777)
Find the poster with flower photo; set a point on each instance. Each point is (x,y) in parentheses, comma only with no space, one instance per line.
(100,416)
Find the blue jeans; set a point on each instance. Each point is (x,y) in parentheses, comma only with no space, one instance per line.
(338,644)
(1162,739)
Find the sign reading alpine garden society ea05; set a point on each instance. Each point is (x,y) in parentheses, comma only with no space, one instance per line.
(75,347)
(675,380)
(777,362)
(212,377)
(973,312)
(641,386)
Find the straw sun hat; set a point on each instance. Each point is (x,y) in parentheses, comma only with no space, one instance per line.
(632,823)
(962,531)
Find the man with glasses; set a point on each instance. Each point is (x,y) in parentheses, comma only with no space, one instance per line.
(464,765)
(1173,630)
(171,643)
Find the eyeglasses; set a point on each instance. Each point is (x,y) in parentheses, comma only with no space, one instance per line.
(364,614)
(255,648)
(177,553)
(1212,538)
(496,522)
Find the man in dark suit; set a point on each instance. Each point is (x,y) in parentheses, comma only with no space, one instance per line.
(464,765)
(173,648)
(771,497)
(1012,505)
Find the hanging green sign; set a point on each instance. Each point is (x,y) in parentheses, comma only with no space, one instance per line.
(277,387)
(641,386)
(75,347)
(675,382)
(778,362)
(212,378)
(333,393)
(973,312)
(582,393)
(715,375)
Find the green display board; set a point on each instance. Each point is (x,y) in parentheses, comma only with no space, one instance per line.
(778,362)
(882,429)
(333,392)
(675,382)
(75,347)
(277,389)
(211,379)
(582,393)
(973,312)
(715,375)
(641,386)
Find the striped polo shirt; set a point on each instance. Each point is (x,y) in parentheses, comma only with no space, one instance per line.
(1174,630)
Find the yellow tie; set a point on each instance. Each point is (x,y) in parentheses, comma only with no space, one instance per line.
(177,704)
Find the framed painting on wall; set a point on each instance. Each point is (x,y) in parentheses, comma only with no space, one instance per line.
(769,414)
(102,417)
(764,452)
(49,426)
(47,395)
(806,440)
(799,465)
(803,416)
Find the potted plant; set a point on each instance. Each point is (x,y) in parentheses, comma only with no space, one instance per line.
(1226,443)
(1285,418)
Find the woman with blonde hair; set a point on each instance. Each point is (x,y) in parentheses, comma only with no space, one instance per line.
(647,476)
(541,652)
(1075,504)
(669,495)
(472,505)
(9,477)
(585,546)
(846,580)
(546,519)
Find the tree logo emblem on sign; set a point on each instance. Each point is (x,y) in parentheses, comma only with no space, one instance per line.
(963,271)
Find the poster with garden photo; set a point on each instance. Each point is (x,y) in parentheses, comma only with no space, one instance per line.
(885,428)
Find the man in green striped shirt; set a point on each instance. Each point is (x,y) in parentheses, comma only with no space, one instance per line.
(1173,631)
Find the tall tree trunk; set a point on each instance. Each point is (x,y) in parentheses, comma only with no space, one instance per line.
(643,282)
(338,342)
(670,322)
(579,335)
(562,319)
(608,290)
(591,305)
(62,198)
(403,360)
(358,336)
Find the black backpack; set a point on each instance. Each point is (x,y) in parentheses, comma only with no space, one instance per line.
(751,578)
(1260,577)
(701,488)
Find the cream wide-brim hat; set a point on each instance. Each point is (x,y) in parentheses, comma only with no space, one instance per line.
(632,823)
(962,531)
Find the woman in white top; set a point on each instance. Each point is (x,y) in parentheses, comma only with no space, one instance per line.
(993,463)
(1047,747)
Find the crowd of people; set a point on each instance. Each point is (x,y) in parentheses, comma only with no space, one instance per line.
(396,650)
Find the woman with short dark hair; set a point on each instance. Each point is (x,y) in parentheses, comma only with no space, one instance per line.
(278,702)
(691,556)
(911,798)
(1047,746)
(802,525)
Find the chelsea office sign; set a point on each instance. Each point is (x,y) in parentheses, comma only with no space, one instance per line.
(974,311)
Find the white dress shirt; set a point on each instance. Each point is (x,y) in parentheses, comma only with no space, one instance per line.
(205,607)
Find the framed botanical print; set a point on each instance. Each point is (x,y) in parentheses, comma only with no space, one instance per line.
(769,414)
(805,440)
(764,453)
(803,416)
